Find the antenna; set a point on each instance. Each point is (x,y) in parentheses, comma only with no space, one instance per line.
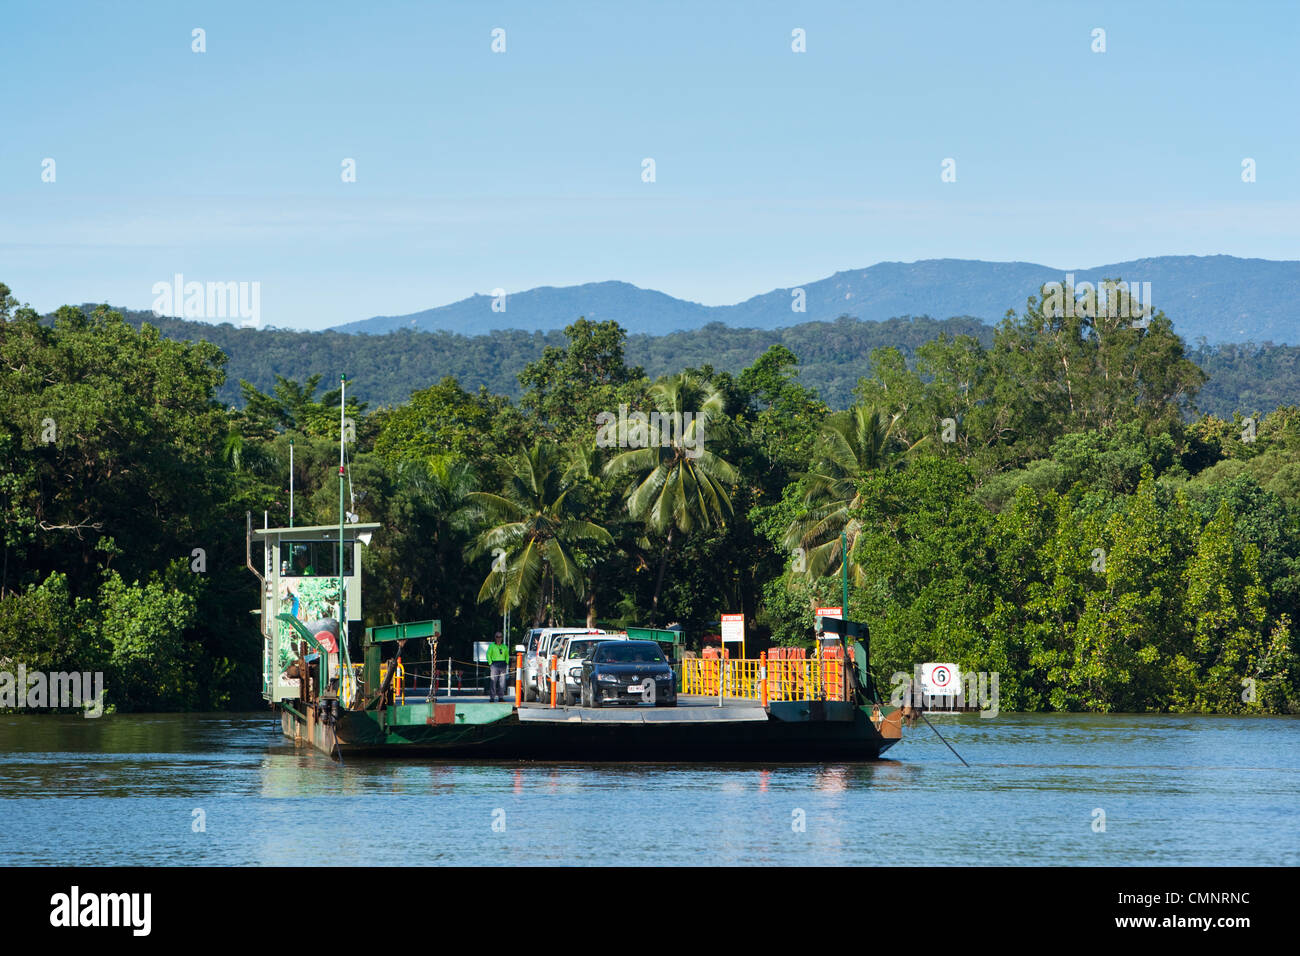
(343,392)
(347,687)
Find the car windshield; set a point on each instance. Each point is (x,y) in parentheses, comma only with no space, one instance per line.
(580,649)
(628,652)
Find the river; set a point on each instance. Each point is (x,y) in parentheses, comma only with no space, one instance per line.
(1055,789)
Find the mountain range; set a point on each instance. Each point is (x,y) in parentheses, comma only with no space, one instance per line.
(1223,298)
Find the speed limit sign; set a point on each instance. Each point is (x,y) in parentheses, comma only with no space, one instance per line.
(940,678)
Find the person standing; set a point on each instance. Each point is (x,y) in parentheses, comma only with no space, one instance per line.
(498,655)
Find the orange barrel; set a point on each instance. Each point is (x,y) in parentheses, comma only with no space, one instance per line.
(790,671)
(833,663)
(708,673)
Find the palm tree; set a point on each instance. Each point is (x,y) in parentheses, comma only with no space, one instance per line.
(426,520)
(248,456)
(537,523)
(851,443)
(676,484)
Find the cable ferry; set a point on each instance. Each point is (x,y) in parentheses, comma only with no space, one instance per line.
(820,708)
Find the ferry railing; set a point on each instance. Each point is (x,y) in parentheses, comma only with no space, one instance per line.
(399,679)
(787,679)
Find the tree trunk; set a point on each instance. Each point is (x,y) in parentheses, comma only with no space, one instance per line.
(659,583)
(540,609)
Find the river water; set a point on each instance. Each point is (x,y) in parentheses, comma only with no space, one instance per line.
(229,790)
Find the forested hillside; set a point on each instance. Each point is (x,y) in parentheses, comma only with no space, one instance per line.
(1041,501)
(832,357)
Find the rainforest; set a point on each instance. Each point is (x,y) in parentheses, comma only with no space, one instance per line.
(1044,500)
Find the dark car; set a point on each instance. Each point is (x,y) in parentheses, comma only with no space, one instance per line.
(628,671)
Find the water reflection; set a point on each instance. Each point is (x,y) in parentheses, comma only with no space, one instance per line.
(130,785)
(830,779)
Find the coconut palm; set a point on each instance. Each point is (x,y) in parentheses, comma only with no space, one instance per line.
(245,456)
(676,484)
(537,525)
(851,443)
(423,508)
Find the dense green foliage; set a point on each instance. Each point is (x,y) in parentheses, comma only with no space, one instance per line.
(1041,500)
(833,356)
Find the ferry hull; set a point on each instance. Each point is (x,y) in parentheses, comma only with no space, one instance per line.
(788,732)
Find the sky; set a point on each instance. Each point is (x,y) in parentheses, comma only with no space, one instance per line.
(478,170)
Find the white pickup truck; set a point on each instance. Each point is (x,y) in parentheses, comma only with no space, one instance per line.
(573,653)
(540,643)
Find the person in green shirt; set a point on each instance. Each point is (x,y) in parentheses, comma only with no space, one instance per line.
(498,656)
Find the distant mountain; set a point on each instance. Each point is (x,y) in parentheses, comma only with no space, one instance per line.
(1223,298)
(549,308)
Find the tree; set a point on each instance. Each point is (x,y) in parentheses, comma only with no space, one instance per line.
(852,443)
(924,565)
(1225,616)
(568,387)
(538,522)
(446,423)
(415,565)
(115,434)
(677,485)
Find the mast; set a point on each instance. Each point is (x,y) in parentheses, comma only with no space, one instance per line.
(343,617)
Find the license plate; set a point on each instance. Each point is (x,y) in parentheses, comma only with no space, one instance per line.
(634,688)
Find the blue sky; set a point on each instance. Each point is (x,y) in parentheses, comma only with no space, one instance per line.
(478,170)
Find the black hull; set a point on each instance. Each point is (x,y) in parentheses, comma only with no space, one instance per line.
(850,736)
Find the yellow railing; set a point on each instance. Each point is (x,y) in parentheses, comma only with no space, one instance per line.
(786,679)
(399,679)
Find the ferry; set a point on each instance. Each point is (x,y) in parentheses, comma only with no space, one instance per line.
(822,708)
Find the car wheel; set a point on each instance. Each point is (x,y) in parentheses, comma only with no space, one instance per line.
(568,696)
(595,697)
(529,692)
(666,703)
(586,696)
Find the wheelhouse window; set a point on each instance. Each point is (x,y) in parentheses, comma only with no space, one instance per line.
(314,559)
